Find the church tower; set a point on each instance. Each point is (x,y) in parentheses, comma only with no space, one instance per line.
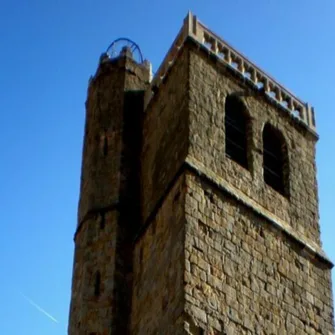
(198,209)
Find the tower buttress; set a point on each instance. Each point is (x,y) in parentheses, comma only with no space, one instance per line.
(109,197)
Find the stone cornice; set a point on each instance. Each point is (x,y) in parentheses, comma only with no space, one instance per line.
(307,246)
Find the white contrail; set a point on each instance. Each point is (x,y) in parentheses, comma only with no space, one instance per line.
(39,308)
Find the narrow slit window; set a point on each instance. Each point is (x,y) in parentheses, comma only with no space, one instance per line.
(105,146)
(236,122)
(102,221)
(274,159)
(97,284)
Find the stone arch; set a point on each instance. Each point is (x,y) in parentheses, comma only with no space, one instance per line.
(275,159)
(237,126)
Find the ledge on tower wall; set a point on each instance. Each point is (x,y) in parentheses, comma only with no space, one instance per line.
(194,29)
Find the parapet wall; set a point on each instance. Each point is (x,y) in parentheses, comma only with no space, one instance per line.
(192,28)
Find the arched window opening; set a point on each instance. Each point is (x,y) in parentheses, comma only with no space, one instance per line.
(274,159)
(236,122)
(97,284)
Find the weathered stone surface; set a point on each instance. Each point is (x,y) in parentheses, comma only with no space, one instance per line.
(209,86)
(109,200)
(185,240)
(165,135)
(251,292)
(158,296)
(95,251)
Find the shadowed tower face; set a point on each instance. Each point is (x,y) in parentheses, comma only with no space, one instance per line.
(198,209)
(109,197)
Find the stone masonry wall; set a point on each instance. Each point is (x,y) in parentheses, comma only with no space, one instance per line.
(109,200)
(95,251)
(243,276)
(210,83)
(158,297)
(176,252)
(105,99)
(103,142)
(165,134)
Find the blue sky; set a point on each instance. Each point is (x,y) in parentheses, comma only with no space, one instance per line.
(48,51)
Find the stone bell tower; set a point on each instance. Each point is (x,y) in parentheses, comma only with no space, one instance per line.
(109,195)
(198,209)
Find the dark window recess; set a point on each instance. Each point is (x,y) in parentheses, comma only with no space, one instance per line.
(236,131)
(273,158)
(97,284)
(105,146)
(102,221)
